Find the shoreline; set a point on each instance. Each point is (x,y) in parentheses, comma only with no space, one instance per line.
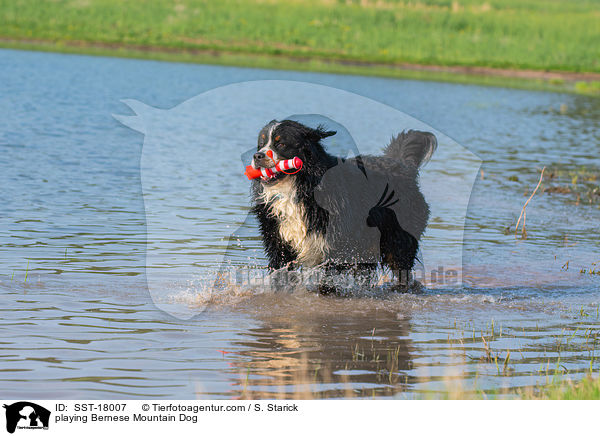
(583,83)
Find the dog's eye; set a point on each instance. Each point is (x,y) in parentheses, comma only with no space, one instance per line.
(277,138)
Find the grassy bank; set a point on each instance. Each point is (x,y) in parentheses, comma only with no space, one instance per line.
(382,37)
(308,64)
(532,34)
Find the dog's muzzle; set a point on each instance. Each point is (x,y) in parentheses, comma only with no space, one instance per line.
(261,160)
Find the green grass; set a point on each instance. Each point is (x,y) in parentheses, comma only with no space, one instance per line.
(588,87)
(535,34)
(585,389)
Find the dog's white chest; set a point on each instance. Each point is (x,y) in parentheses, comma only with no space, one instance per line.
(290,214)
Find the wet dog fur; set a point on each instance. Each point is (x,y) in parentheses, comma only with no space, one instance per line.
(294,226)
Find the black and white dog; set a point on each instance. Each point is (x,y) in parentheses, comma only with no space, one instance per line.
(341,215)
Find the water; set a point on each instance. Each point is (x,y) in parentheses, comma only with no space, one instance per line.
(77,317)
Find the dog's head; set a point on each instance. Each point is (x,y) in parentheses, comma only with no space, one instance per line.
(281,140)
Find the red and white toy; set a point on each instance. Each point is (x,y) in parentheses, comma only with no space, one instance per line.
(280,167)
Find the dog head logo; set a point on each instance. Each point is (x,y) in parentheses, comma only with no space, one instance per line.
(26,415)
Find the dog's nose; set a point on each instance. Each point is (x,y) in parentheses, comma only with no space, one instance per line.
(259,155)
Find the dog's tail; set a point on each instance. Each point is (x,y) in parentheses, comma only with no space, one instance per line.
(412,147)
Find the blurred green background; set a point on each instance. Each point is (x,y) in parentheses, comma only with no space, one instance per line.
(536,35)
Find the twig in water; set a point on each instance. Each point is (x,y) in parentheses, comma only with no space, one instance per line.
(524,213)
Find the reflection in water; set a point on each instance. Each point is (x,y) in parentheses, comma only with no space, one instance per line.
(318,355)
